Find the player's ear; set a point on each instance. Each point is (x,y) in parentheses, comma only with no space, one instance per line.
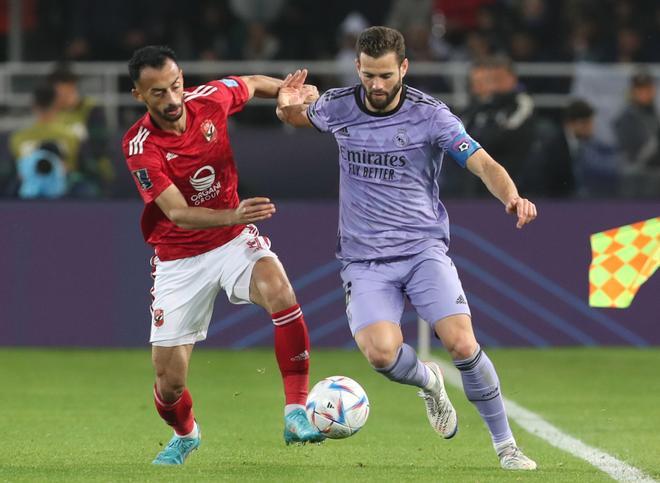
(181,76)
(357,64)
(136,94)
(404,67)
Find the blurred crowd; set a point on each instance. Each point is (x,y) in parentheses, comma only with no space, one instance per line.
(66,151)
(525,30)
(63,152)
(564,157)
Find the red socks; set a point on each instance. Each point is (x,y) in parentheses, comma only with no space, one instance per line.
(178,414)
(292,353)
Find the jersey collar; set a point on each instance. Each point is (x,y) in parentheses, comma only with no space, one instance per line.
(359,99)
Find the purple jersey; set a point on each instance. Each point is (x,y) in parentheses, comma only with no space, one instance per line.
(389,165)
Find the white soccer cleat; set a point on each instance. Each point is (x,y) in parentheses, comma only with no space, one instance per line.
(439,410)
(512,458)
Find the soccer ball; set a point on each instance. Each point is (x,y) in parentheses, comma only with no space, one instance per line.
(338,407)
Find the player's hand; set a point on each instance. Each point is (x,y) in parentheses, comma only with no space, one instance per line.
(251,210)
(310,92)
(523,208)
(292,91)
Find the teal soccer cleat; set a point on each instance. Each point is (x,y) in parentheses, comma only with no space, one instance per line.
(177,450)
(298,429)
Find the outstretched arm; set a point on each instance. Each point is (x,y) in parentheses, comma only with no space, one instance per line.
(500,184)
(262,86)
(174,206)
(293,99)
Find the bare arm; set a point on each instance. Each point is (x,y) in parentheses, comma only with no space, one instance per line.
(262,86)
(174,205)
(500,184)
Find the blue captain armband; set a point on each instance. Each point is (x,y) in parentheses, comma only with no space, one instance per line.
(462,147)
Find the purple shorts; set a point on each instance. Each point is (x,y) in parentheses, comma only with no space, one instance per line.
(375,290)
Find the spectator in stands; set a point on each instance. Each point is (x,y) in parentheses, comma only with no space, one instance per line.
(41,173)
(349,29)
(637,130)
(572,161)
(257,16)
(87,121)
(46,128)
(503,120)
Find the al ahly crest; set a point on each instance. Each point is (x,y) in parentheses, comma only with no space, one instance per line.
(208,130)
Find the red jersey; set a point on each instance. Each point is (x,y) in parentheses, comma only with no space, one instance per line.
(199,162)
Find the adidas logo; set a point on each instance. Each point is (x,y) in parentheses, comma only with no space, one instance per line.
(171,156)
(461,300)
(329,405)
(343,132)
(303,356)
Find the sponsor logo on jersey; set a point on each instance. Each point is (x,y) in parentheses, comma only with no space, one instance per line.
(171,156)
(142,177)
(204,182)
(203,178)
(401,138)
(208,130)
(159,317)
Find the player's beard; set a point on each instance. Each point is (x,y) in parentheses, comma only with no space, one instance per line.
(382,102)
(176,111)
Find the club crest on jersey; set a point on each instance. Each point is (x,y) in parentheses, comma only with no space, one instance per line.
(208,130)
(401,138)
(159,317)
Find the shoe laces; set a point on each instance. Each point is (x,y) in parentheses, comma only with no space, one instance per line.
(435,404)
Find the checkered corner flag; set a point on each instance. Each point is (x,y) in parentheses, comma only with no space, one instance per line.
(623,259)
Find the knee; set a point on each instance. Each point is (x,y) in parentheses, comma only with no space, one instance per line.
(462,345)
(381,355)
(275,291)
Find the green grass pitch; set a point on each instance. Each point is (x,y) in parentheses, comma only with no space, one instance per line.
(87,415)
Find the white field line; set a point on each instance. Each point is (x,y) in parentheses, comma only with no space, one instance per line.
(536,425)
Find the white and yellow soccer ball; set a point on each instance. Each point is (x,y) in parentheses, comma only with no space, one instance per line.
(338,407)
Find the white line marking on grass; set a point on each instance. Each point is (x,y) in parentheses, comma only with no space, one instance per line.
(536,425)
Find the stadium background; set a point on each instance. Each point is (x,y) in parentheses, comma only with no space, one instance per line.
(74,270)
(569,122)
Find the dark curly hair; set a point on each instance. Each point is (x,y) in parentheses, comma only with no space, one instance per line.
(378,41)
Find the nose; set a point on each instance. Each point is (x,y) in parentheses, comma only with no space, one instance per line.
(377,84)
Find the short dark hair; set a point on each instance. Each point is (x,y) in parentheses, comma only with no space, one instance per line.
(498,61)
(577,110)
(150,56)
(642,78)
(378,41)
(63,73)
(43,96)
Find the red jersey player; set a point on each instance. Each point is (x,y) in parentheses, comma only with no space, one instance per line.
(182,162)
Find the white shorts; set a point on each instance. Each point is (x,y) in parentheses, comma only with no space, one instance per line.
(184,290)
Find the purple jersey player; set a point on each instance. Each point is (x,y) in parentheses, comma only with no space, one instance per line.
(394,231)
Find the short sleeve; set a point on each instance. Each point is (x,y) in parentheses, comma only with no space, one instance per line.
(319,112)
(147,170)
(233,92)
(449,135)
